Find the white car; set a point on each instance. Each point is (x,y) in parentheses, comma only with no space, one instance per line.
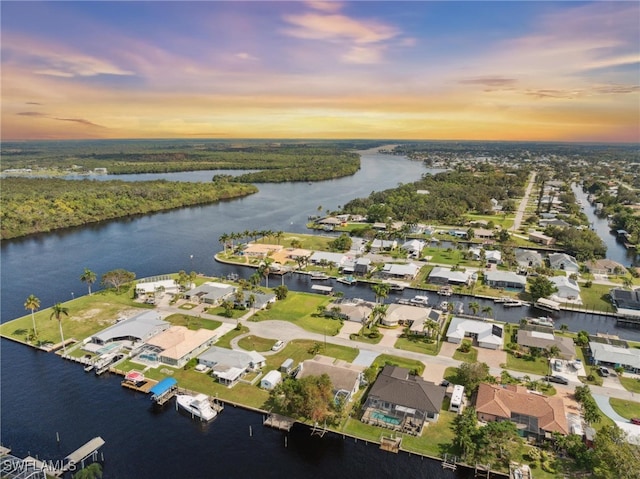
(277,346)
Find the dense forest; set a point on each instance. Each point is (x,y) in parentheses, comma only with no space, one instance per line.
(445,197)
(274,162)
(43,204)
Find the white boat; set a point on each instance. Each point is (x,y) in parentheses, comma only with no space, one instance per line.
(512,303)
(198,406)
(445,291)
(541,321)
(347,280)
(420,300)
(444,306)
(320,276)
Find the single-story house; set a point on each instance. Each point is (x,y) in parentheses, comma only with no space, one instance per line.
(271,380)
(140,327)
(537,237)
(177,345)
(490,256)
(400,271)
(543,338)
(418,326)
(483,233)
(361,266)
(345,377)
(382,245)
(355,309)
(528,258)
(331,221)
(404,313)
(553,222)
(564,262)
(535,415)
(408,399)
(505,280)
(627,302)
(413,247)
(153,287)
(440,275)
(612,355)
(320,257)
(229,365)
(210,293)
(488,335)
(605,266)
(261,250)
(567,287)
(260,300)
(458,233)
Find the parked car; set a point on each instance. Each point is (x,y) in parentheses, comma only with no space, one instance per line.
(635,420)
(556,379)
(445,383)
(604,372)
(277,346)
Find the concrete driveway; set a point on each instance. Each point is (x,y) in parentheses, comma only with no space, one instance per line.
(494,358)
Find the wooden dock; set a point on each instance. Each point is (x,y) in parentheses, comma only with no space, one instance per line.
(390,444)
(277,421)
(450,462)
(143,387)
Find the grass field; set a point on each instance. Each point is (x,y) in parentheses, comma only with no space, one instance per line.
(410,364)
(417,344)
(631,384)
(627,409)
(300,309)
(527,364)
(225,341)
(302,349)
(470,357)
(255,343)
(193,322)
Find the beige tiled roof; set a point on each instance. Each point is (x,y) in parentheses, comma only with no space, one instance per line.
(502,401)
(178,341)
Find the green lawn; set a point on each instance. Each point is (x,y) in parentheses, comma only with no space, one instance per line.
(193,322)
(631,384)
(255,343)
(626,409)
(470,357)
(301,349)
(363,337)
(87,316)
(527,364)
(436,439)
(301,309)
(418,344)
(410,364)
(594,298)
(225,341)
(220,311)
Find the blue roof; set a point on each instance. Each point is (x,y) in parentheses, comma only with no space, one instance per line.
(163,386)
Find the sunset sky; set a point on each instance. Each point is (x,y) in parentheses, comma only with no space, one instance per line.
(505,70)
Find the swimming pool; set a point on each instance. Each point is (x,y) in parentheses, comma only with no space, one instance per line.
(384,418)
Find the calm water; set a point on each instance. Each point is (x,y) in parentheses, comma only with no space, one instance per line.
(42,395)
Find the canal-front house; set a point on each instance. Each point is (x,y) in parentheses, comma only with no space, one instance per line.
(229,365)
(138,328)
(345,377)
(440,275)
(626,302)
(210,293)
(536,416)
(527,258)
(564,262)
(542,338)
(407,271)
(505,280)
(404,314)
(402,401)
(177,345)
(605,266)
(568,289)
(540,238)
(484,334)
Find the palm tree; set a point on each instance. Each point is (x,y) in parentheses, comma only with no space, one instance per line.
(265,270)
(57,311)
(224,237)
(381,291)
(488,311)
(379,313)
(474,306)
(430,325)
(627,282)
(88,277)
(32,303)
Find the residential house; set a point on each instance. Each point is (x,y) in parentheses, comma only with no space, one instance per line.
(490,256)
(345,377)
(458,234)
(378,245)
(505,280)
(483,233)
(543,338)
(568,289)
(260,300)
(177,345)
(138,328)
(440,275)
(535,415)
(229,365)
(564,262)
(261,250)
(418,326)
(327,257)
(357,310)
(210,293)
(413,247)
(553,222)
(487,335)
(626,302)
(540,238)
(404,314)
(613,355)
(406,271)
(527,258)
(151,287)
(361,266)
(605,266)
(402,401)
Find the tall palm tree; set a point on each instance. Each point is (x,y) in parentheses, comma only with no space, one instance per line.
(88,277)
(488,311)
(224,237)
(381,291)
(58,311)
(265,270)
(474,306)
(32,303)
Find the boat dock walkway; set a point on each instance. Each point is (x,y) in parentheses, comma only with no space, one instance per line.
(90,449)
(277,421)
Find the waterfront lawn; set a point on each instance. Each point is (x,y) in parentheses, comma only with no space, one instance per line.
(418,344)
(302,349)
(470,357)
(192,322)
(311,242)
(410,364)
(436,439)
(225,341)
(630,384)
(527,364)
(595,297)
(300,309)
(87,316)
(626,409)
(256,343)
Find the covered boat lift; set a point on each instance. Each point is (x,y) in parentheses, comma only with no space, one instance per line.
(164,390)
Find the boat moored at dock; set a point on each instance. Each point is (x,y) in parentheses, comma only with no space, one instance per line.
(198,406)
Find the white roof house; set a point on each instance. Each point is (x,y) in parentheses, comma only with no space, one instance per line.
(137,328)
(611,355)
(147,287)
(440,275)
(380,244)
(404,312)
(404,271)
(229,365)
(413,246)
(179,344)
(336,258)
(210,292)
(488,335)
(567,287)
(564,262)
(505,279)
